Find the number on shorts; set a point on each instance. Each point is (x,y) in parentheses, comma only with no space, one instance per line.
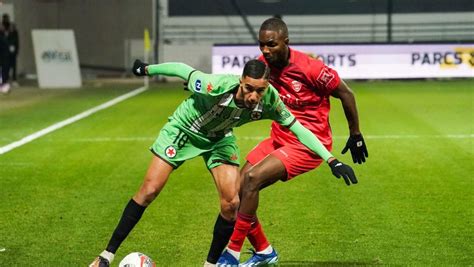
(180,139)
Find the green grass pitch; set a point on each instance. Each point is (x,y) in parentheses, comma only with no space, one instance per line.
(62,194)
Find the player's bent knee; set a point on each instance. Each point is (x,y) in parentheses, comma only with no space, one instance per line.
(252,182)
(229,208)
(148,192)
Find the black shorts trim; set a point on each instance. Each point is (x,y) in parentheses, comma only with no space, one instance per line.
(172,165)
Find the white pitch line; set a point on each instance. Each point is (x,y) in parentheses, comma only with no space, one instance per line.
(368,137)
(401,136)
(411,136)
(73,119)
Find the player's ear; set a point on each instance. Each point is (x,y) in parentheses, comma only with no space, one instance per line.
(287,40)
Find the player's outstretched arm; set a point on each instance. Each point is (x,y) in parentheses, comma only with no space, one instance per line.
(308,139)
(168,69)
(356,142)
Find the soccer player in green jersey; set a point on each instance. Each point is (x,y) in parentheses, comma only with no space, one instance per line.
(202,126)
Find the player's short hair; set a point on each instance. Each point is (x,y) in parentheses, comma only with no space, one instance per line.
(276,25)
(256,69)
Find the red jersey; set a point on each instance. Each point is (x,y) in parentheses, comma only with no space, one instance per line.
(304,86)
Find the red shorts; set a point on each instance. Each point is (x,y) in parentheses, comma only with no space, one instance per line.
(297,158)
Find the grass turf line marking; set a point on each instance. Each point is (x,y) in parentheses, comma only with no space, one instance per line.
(147,139)
(70,120)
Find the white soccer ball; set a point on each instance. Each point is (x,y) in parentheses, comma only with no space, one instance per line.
(137,259)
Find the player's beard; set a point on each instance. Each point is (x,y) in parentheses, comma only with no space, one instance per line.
(249,105)
(270,59)
(279,59)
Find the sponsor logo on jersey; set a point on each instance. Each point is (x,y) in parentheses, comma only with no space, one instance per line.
(282,111)
(209,87)
(296,85)
(170,152)
(197,85)
(256,115)
(325,76)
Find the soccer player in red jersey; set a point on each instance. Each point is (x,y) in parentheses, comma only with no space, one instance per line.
(305,85)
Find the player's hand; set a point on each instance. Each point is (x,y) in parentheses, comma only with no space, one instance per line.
(139,68)
(340,169)
(358,149)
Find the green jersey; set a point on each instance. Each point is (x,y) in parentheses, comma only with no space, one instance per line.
(211,109)
(211,112)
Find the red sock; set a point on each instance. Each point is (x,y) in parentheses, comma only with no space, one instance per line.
(241,228)
(257,238)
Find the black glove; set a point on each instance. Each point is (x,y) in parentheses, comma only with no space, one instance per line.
(340,169)
(139,68)
(358,149)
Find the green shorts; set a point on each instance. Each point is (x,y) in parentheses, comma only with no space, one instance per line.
(175,146)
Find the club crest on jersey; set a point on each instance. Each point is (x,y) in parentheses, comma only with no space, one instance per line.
(234,157)
(256,115)
(197,85)
(170,152)
(296,86)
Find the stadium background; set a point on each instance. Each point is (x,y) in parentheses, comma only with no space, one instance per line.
(188,29)
(62,194)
